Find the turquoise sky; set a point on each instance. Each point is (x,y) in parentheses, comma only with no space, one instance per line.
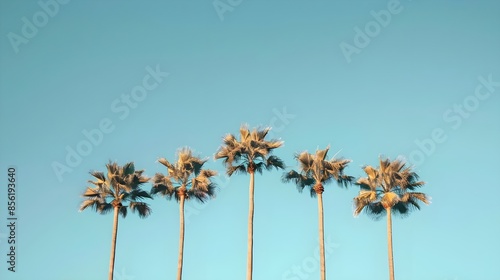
(85,82)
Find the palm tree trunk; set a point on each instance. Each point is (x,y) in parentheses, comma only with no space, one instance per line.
(113,243)
(181,238)
(321,237)
(389,240)
(250,228)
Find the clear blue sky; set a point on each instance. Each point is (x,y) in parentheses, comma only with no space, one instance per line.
(409,87)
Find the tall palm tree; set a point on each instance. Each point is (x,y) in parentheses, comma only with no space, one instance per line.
(185,180)
(314,172)
(122,184)
(249,154)
(389,190)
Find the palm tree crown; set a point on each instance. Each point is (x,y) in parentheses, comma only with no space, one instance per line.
(315,171)
(185,178)
(251,153)
(122,184)
(389,187)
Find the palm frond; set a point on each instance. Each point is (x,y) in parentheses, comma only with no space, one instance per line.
(187,179)
(259,167)
(315,169)
(236,169)
(92,203)
(393,182)
(274,161)
(250,152)
(123,211)
(121,184)
(306,161)
(128,168)
(142,209)
(300,180)
(312,192)
(321,154)
(163,186)
(375,210)
(136,194)
(99,176)
(92,192)
(202,195)
(364,199)
(105,208)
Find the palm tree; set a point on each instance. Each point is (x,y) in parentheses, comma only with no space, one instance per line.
(185,180)
(121,185)
(249,154)
(314,172)
(388,190)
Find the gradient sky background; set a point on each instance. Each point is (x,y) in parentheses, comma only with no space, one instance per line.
(264,57)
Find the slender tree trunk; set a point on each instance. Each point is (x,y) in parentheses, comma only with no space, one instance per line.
(250,228)
(181,238)
(389,240)
(113,243)
(321,237)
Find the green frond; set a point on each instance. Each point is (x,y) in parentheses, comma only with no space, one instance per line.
(163,186)
(375,210)
(312,192)
(241,169)
(105,208)
(128,168)
(187,178)
(261,133)
(259,167)
(392,182)
(136,194)
(123,211)
(274,161)
(121,184)
(202,195)
(250,150)
(300,180)
(142,209)
(402,209)
(315,168)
